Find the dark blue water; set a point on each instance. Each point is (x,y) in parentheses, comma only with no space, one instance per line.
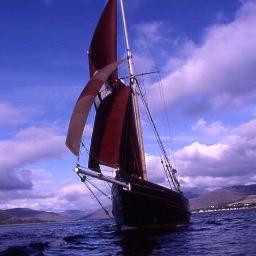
(218,233)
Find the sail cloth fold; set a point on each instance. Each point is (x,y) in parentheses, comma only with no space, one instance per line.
(103,48)
(83,106)
(130,158)
(108,129)
(114,140)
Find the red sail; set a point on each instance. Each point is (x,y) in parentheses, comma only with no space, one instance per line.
(83,106)
(130,162)
(103,48)
(108,129)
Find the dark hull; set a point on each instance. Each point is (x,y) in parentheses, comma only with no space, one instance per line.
(149,205)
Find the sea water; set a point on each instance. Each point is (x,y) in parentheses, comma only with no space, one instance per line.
(213,233)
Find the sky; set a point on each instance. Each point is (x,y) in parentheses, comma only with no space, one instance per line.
(202,99)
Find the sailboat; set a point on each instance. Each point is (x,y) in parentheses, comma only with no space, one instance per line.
(117,140)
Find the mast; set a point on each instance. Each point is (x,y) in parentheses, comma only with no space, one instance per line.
(133,84)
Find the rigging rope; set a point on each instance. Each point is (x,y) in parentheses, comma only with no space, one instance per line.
(163,97)
(167,118)
(108,187)
(166,174)
(104,209)
(102,192)
(170,170)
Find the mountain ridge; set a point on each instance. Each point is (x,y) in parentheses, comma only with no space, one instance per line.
(226,196)
(26,215)
(222,196)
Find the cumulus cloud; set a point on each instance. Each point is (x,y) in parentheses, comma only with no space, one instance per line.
(150,36)
(212,129)
(154,168)
(39,180)
(16,178)
(143,64)
(234,155)
(220,71)
(150,32)
(28,146)
(76,193)
(48,194)
(230,161)
(17,196)
(72,192)
(203,183)
(9,115)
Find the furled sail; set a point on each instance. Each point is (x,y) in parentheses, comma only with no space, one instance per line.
(83,106)
(103,48)
(108,129)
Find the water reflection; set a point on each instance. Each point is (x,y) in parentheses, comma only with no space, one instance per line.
(143,241)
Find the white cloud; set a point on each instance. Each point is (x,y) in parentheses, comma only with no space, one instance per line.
(30,145)
(202,183)
(233,155)
(21,185)
(143,64)
(9,115)
(154,168)
(73,192)
(49,194)
(230,161)
(150,32)
(42,189)
(15,179)
(219,72)
(212,129)
(78,196)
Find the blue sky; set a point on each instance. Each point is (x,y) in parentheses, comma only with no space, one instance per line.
(205,51)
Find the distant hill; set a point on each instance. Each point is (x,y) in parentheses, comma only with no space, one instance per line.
(73,214)
(230,196)
(25,215)
(98,214)
(4,215)
(245,189)
(227,195)
(222,196)
(247,200)
(189,194)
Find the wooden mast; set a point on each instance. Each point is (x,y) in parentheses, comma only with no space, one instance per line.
(133,84)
